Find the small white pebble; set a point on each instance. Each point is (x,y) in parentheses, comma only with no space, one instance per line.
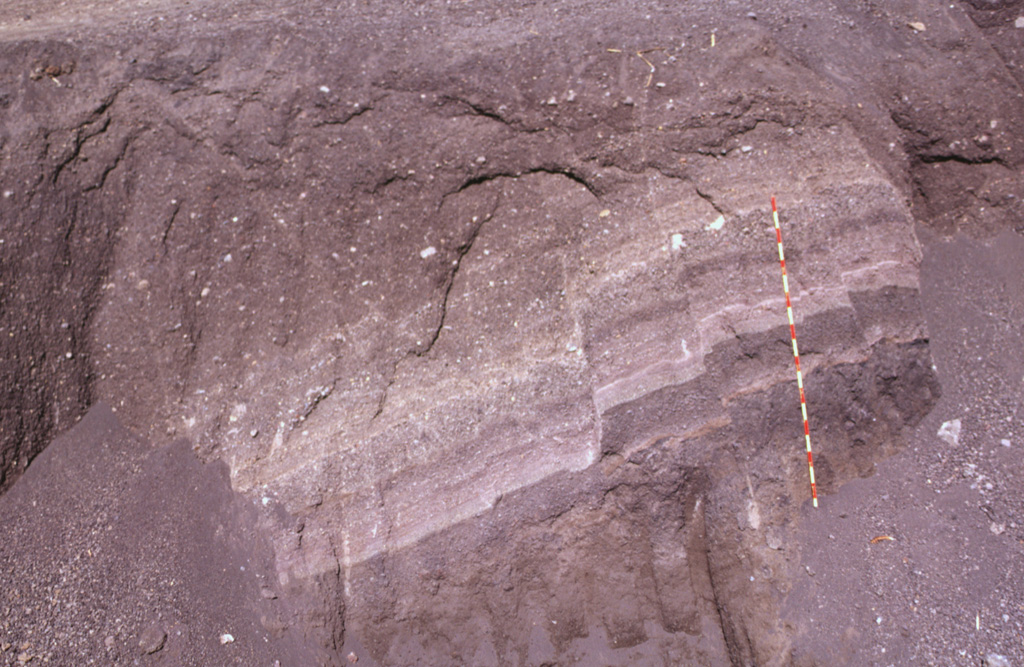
(324,89)
(1019,23)
(428,251)
(1004,442)
(227,258)
(878,620)
(717,224)
(226,638)
(678,242)
(746,149)
(205,293)
(266,501)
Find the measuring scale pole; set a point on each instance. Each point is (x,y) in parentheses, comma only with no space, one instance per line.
(796,354)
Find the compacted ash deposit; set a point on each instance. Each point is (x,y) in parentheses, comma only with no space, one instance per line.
(453,333)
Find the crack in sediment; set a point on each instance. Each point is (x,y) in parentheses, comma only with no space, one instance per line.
(568,172)
(121,153)
(169,225)
(918,149)
(709,199)
(727,634)
(481,111)
(82,134)
(461,252)
(384,393)
(359,111)
(961,159)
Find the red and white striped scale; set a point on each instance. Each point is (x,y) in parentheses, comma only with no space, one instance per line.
(796,354)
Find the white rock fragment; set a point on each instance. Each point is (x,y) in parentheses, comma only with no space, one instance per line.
(205,293)
(1019,23)
(916,26)
(237,412)
(227,258)
(746,149)
(717,224)
(226,638)
(8,194)
(994,659)
(678,242)
(950,432)
(428,251)
(324,89)
(997,528)
(1004,442)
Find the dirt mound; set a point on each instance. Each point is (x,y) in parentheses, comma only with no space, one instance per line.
(480,304)
(116,551)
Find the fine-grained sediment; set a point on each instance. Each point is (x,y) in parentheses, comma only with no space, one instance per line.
(486,325)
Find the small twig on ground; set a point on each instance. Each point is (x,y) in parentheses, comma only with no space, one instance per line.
(640,54)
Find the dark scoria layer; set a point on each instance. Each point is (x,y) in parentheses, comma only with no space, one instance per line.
(480,307)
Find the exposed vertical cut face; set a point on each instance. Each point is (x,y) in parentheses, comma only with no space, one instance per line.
(488,328)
